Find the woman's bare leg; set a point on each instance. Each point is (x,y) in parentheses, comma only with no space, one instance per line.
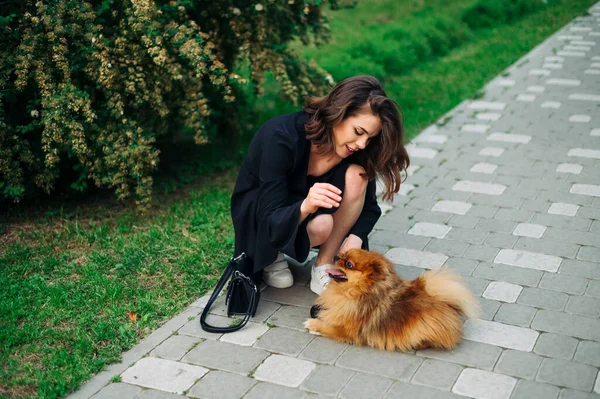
(344,218)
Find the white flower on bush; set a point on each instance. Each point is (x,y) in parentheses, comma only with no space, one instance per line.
(35,113)
(236,11)
(259,7)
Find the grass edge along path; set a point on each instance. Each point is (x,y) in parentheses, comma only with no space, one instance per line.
(76,296)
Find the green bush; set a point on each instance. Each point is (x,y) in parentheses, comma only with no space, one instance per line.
(87,88)
(395,50)
(488,13)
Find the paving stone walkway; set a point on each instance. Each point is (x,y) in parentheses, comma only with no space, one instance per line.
(505,190)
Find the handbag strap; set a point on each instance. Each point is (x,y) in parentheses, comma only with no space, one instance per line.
(231,268)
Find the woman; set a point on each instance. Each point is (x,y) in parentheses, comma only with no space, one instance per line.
(309,180)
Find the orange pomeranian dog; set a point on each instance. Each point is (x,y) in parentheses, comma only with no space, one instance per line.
(367,303)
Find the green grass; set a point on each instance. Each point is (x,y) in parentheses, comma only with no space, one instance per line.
(70,277)
(69,285)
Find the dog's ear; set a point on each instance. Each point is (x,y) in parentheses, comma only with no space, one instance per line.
(378,265)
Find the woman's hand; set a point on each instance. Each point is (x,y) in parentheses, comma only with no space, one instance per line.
(351,242)
(321,195)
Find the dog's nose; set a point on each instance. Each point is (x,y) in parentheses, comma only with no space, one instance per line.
(336,258)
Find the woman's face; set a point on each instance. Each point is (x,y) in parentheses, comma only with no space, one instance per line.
(355,132)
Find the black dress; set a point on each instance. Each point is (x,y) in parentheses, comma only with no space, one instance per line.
(270,187)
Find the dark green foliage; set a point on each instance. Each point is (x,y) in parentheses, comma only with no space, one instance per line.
(87,89)
(488,13)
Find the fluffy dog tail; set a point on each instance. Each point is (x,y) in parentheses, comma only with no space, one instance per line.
(446,286)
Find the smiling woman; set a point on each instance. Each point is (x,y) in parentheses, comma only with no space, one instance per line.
(309,180)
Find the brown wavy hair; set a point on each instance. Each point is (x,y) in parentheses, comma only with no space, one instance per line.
(385,154)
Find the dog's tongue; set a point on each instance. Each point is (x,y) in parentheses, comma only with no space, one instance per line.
(335,272)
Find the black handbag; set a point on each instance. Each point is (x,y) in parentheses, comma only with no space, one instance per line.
(241,298)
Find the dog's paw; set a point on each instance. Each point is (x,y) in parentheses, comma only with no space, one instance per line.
(313,326)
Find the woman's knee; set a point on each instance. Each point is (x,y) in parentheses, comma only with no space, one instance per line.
(319,229)
(355,184)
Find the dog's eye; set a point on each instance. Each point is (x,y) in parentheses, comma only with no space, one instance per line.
(349,265)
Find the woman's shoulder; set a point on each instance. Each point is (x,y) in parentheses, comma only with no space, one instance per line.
(287,126)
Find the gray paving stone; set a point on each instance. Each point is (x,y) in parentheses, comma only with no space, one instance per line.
(518,364)
(408,272)
(572,236)
(580,268)
(379,248)
(403,390)
(476,284)
(118,390)
(327,380)
(543,299)
(557,346)
(284,370)
(290,317)
(437,374)
(465,221)
(593,289)
(515,314)
(246,336)
(481,252)
(488,308)
(266,308)
(553,195)
(412,257)
(446,247)
(567,324)
(467,235)
(163,374)
(316,396)
(154,394)
(564,283)
(591,254)
(535,205)
(296,296)
(393,222)
(226,357)
(284,341)
(584,306)
(533,390)
(265,390)
(175,347)
(484,384)
(547,247)
(467,353)
(509,274)
(501,201)
(588,352)
(483,211)
(323,350)
(496,226)
(432,217)
(500,240)
(461,265)
(388,364)
(573,394)
(366,386)
(567,374)
(193,328)
(562,222)
(221,385)
(515,215)
(396,239)
(500,334)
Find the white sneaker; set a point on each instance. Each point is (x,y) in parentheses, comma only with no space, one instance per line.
(319,278)
(278,274)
